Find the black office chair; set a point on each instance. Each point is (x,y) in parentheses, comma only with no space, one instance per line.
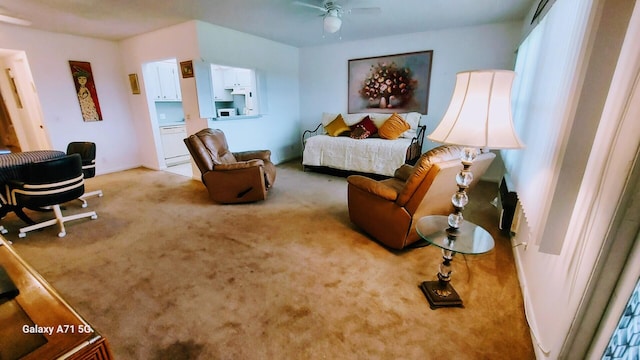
(49,183)
(87,151)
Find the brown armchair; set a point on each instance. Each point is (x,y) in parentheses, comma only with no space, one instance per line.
(231,177)
(387,210)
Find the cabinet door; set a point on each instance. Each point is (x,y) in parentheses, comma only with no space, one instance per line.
(219,91)
(152,80)
(243,77)
(237,78)
(169,83)
(229,78)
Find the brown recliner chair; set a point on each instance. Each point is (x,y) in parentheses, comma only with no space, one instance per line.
(231,177)
(387,210)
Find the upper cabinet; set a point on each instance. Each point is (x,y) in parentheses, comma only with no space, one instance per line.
(237,77)
(220,92)
(165,81)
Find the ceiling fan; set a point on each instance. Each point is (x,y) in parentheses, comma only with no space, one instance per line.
(333,12)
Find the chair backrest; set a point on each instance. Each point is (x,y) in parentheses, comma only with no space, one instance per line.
(209,147)
(51,182)
(429,188)
(87,151)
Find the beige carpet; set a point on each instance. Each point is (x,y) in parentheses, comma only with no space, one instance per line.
(164,273)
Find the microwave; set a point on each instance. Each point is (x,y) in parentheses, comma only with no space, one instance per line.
(227,112)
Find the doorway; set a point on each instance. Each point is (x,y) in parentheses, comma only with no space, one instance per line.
(8,139)
(21,120)
(162,85)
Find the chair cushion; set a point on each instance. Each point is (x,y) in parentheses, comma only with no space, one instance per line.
(49,182)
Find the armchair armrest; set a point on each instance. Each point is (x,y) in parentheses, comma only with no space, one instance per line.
(253,154)
(239,165)
(373,187)
(403,172)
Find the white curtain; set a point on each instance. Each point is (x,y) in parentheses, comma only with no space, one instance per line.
(544,97)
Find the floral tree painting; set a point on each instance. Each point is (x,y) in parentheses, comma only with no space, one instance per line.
(387,84)
(86,90)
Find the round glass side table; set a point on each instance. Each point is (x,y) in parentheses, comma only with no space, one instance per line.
(469,238)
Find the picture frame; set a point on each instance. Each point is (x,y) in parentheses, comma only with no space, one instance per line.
(133,82)
(186,68)
(86,91)
(390,83)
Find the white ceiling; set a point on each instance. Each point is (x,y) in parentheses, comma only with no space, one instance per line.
(279,20)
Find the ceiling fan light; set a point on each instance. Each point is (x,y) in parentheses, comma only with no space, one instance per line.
(332,23)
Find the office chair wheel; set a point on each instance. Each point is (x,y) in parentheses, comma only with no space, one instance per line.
(21,235)
(62,234)
(93,217)
(84,203)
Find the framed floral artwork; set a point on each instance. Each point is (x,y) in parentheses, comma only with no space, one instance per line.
(392,83)
(86,90)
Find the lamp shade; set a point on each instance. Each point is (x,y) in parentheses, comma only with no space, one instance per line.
(479,114)
(332,23)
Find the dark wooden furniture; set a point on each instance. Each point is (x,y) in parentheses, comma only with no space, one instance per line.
(38,323)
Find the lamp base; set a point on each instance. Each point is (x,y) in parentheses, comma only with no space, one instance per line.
(440,294)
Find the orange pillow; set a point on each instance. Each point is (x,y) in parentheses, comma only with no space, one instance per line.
(337,126)
(393,127)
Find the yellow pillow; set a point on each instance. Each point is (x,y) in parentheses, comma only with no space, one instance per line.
(337,126)
(393,127)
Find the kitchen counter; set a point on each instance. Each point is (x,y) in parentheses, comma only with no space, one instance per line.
(239,117)
(173,123)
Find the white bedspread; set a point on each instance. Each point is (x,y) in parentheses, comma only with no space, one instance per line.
(371,155)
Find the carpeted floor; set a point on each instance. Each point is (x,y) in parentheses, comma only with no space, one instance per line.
(164,273)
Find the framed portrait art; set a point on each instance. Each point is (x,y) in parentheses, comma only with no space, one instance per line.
(392,83)
(86,90)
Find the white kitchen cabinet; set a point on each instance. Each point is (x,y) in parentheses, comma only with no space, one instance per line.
(220,93)
(166,84)
(237,77)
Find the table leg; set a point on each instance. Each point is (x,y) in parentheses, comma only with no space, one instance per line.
(440,293)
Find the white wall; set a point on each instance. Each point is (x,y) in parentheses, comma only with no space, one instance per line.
(194,40)
(177,42)
(48,55)
(324,69)
(555,284)
(279,128)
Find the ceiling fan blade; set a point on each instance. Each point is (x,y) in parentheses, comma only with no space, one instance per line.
(365,11)
(301,3)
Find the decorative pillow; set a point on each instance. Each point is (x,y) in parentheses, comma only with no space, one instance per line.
(337,126)
(363,129)
(393,127)
(328,117)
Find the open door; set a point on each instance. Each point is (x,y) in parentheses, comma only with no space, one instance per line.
(21,105)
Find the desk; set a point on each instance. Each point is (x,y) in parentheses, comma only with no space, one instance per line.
(13,167)
(469,239)
(38,307)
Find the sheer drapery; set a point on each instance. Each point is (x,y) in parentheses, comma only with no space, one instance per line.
(544,96)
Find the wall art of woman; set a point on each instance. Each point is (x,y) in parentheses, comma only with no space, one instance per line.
(86,91)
